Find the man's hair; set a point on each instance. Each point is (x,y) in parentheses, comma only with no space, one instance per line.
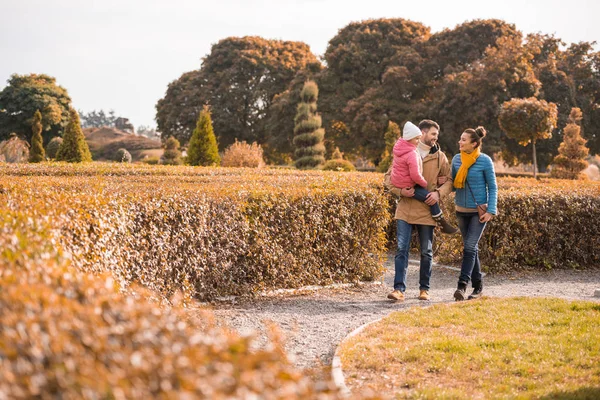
(427,123)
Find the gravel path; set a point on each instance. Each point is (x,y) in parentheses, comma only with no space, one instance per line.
(315,322)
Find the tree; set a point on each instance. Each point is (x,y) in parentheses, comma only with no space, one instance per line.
(238,79)
(527,121)
(203,149)
(74,148)
(337,162)
(391,137)
(14,150)
(570,161)
(37,153)
(308,133)
(171,155)
(97,119)
(23,96)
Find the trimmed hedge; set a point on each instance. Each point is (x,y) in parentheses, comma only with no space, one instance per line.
(219,231)
(541,224)
(67,334)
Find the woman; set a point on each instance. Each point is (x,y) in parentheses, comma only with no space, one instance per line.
(475,185)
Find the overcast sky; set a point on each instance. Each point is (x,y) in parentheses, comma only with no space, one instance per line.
(122,54)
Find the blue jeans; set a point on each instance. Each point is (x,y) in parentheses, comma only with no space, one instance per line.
(421,194)
(403,234)
(471,230)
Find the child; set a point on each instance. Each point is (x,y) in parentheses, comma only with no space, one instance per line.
(407,170)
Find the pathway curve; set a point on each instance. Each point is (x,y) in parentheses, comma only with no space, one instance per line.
(316,322)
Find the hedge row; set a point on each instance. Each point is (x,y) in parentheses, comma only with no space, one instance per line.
(71,335)
(541,224)
(217,231)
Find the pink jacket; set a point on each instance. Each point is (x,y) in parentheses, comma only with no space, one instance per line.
(407,166)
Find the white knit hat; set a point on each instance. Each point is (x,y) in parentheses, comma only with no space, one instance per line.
(410,131)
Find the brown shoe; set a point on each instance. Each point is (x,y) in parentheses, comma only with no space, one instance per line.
(396,295)
(445,225)
(424,295)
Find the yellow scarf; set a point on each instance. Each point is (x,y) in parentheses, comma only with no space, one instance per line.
(466,160)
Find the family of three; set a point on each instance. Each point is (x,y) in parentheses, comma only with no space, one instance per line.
(420,175)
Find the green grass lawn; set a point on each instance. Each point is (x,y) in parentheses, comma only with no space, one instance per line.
(492,348)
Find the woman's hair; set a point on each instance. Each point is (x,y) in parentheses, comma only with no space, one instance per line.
(476,134)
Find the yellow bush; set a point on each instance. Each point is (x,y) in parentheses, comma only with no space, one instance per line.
(242,154)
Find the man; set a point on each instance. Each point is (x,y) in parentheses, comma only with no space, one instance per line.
(411,212)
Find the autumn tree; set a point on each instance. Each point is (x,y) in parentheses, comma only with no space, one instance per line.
(37,153)
(74,148)
(391,136)
(26,94)
(527,121)
(97,119)
(357,60)
(238,79)
(570,161)
(202,149)
(308,133)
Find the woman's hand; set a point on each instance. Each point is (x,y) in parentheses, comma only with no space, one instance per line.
(485,218)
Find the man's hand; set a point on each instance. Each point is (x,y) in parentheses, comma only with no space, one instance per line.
(442,180)
(432,198)
(407,192)
(485,218)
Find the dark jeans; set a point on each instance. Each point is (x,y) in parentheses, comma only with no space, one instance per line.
(403,234)
(471,230)
(421,194)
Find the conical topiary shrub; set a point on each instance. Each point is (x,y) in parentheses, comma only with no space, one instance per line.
(308,134)
(202,149)
(74,148)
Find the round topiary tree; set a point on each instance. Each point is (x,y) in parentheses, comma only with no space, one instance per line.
(570,161)
(527,121)
(37,153)
(122,155)
(74,148)
(308,134)
(172,155)
(53,146)
(202,149)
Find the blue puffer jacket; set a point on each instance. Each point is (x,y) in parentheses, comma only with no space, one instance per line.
(482,180)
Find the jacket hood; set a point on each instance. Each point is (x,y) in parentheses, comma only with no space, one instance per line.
(402,147)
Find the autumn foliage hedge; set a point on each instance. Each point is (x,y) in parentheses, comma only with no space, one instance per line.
(542,224)
(215,231)
(68,334)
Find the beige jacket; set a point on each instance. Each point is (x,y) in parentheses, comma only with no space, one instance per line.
(414,211)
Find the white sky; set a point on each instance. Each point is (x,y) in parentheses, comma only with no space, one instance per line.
(121,54)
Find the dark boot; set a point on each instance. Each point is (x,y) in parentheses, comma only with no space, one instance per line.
(477,290)
(461,292)
(445,225)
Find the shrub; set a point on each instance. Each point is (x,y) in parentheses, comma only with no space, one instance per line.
(53,146)
(171,155)
(544,223)
(337,162)
(74,148)
(66,334)
(570,162)
(37,153)
(203,149)
(122,155)
(151,160)
(223,231)
(308,134)
(14,150)
(242,154)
